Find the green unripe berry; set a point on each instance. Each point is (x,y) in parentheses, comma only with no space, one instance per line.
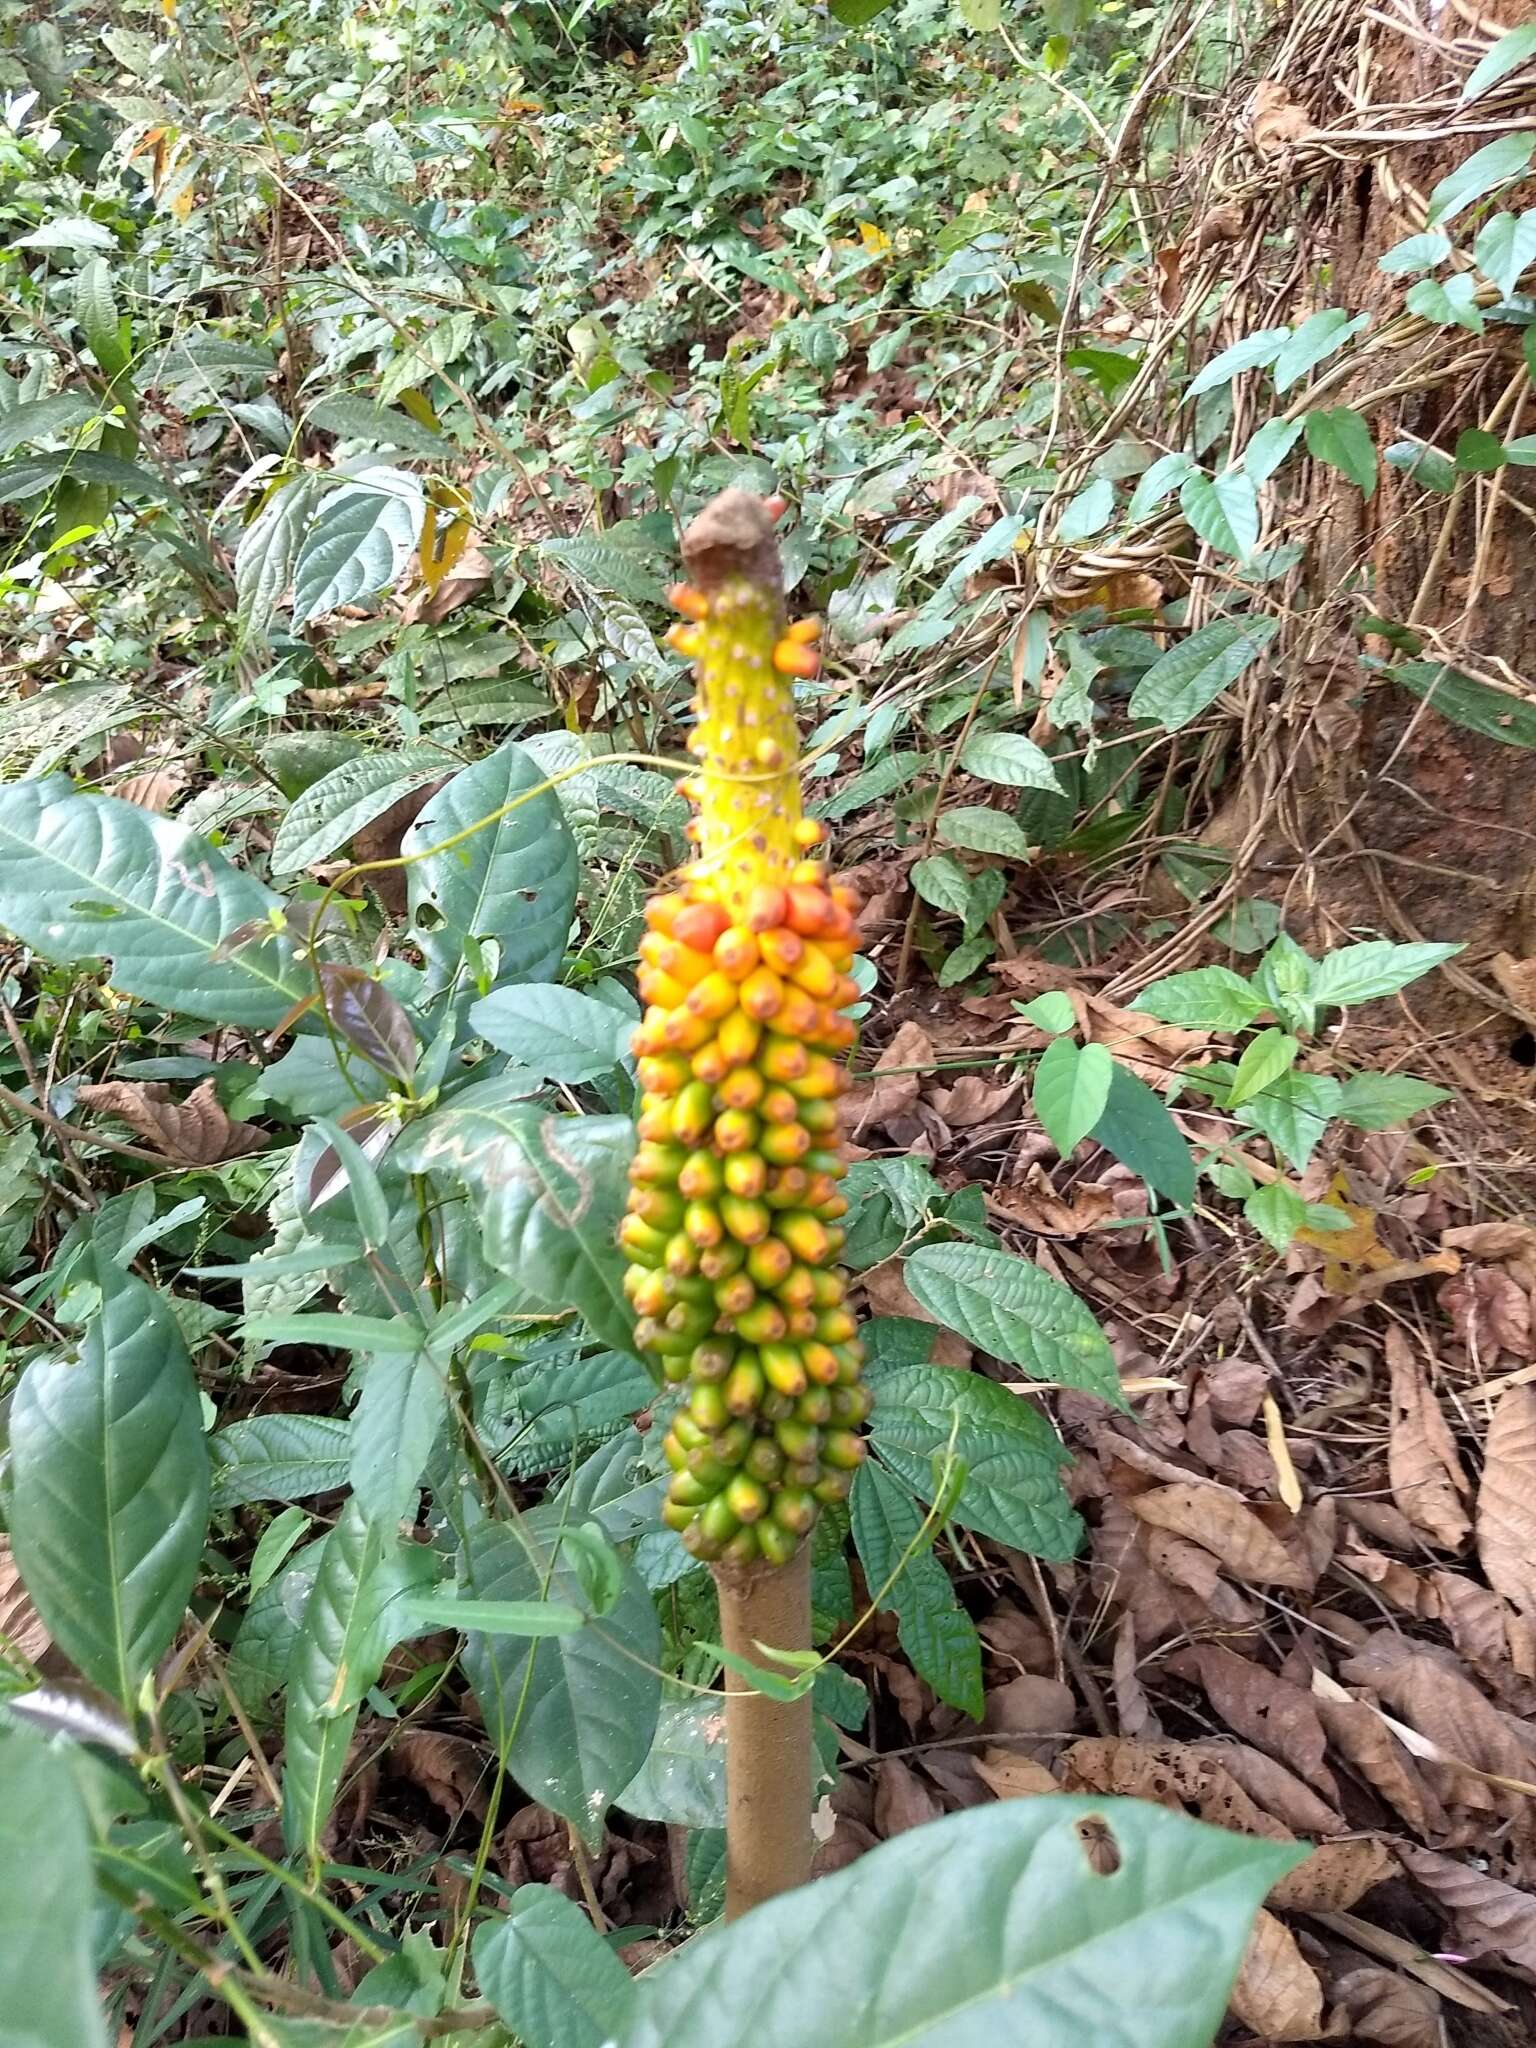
(800,1441)
(795,1510)
(747,1498)
(744,1388)
(777,1544)
(706,1404)
(765,1461)
(814,1406)
(842,1450)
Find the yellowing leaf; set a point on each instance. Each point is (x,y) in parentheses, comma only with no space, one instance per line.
(445,530)
(421,410)
(875,239)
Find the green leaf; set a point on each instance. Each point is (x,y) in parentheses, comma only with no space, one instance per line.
(1452,304)
(1341,438)
(1205,999)
(553,1032)
(1160,482)
(1009,1308)
(512,883)
(1137,1128)
(979,829)
(331,811)
(399,1413)
(1265,1058)
(1359,974)
(1293,1113)
(264,555)
(352,1619)
(1251,353)
(345,1332)
(935,1631)
(1052,1012)
(1479,451)
(1515,47)
(1478,707)
(621,563)
(553,1191)
(47,1901)
(1011,759)
(91,877)
(1188,677)
(573,1718)
(1070,1091)
(1013,1458)
(1269,447)
(35,474)
(109,1476)
(1425,465)
(358,542)
(274,1544)
(985,16)
(550,1974)
(1223,510)
(992,1926)
(1419,252)
(1314,341)
(279,1457)
(1506,247)
(1276,1212)
(1375,1102)
(354,418)
(1088,513)
(682,1781)
(942,882)
(38,419)
(1499,161)
(531,1619)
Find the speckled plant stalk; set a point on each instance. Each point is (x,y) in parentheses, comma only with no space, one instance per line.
(733,1230)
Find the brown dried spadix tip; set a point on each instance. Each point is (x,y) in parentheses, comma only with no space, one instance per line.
(732,537)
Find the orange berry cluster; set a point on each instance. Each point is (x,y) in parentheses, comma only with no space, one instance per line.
(733,1227)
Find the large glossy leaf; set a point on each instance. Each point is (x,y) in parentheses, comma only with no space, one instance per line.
(512,883)
(1003,1925)
(279,1457)
(557,1033)
(1013,1460)
(553,1191)
(110,1486)
(353,1617)
(936,1632)
(264,556)
(573,1715)
(91,877)
(394,1426)
(682,1781)
(351,796)
(47,1968)
(550,1974)
(357,543)
(1011,759)
(1181,683)
(1018,1313)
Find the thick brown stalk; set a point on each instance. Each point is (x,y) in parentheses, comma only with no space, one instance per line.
(768,1748)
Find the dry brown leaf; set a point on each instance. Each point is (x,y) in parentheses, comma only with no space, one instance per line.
(152,789)
(1276,123)
(1388,2010)
(1488,1917)
(973,1100)
(888,1092)
(1506,1500)
(1225,1526)
(197,1132)
(1029,1705)
(1517,978)
(1269,1712)
(1368,1745)
(1013,1777)
(1172,1774)
(1491,1313)
(1279,1791)
(1278,1994)
(21,1627)
(1492,1240)
(451,1770)
(1393,1948)
(1334,1877)
(902,1800)
(1423,1468)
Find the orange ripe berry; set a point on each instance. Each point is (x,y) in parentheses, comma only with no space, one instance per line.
(737,952)
(685,1032)
(808,907)
(837,1033)
(661,910)
(782,949)
(655,1123)
(815,973)
(798,1288)
(785,1144)
(812,873)
(801,1323)
(820,1361)
(710,1063)
(780,1107)
(739,1039)
(766,907)
(736,1130)
(663,1074)
(793,658)
(686,639)
(787,1187)
(714,997)
(693,604)
(821,1080)
(699,925)
(664,990)
(783,1059)
(806,631)
(761,993)
(796,1015)
(846,898)
(809,832)
(742,1089)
